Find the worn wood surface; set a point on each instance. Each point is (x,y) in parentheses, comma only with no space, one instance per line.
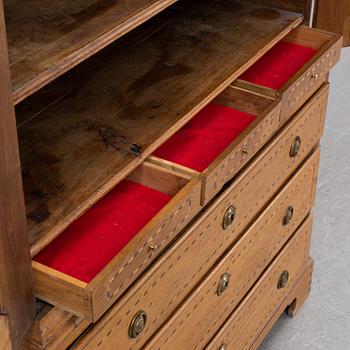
(77,149)
(334,16)
(16,290)
(302,6)
(48,38)
(253,313)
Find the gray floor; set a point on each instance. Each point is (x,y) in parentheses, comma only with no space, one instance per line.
(324,321)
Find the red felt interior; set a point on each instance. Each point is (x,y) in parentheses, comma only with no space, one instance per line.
(92,241)
(202,139)
(279,64)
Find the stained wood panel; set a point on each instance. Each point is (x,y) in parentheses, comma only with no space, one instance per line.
(334,16)
(302,6)
(108,121)
(46,38)
(16,290)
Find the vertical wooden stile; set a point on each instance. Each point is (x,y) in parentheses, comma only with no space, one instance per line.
(16,286)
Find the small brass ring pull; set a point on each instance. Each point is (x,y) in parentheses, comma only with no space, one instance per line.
(295,148)
(288,216)
(229,217)
(138,324)
(282,282)
(244,151)
(152,247)
(223,347)
(223,284)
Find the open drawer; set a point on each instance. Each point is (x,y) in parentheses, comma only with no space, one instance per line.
(221,138)
(294,68)
(215,298)
(100,255)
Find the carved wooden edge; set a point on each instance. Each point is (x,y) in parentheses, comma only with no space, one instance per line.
(16,284)
(291,304)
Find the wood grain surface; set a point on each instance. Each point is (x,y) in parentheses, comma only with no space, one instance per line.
(47,38)
(334,16)
(104,124)
(16,286)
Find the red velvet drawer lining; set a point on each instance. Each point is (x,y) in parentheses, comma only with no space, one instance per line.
(202,139)
(93,240)
(278,65)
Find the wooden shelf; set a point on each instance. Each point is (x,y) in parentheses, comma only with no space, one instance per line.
(48,38)
(77,149)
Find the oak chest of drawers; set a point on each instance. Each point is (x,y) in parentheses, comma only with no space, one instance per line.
(169,179)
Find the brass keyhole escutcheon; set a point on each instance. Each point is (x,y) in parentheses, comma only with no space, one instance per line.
(229,217)
(295,148)
(138,324)
(282,282)
(223,284)
(288,216)
(223,347)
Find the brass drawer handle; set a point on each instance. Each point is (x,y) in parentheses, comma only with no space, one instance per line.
(223,284)
(244,151)
(229,217)
(223,347)
(315,76)
(138,324)
(288,216)
(282,282)
(295,148)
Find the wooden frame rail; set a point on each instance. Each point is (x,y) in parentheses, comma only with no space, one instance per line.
(16,287)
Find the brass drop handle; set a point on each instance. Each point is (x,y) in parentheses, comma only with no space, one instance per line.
(229,217)
(295,148)
(223,284)
(288,216)
(283,280)
(137,324)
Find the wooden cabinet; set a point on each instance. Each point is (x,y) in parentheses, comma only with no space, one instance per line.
(168,152)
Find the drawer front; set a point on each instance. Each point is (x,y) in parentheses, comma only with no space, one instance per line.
(305,85)
(93,298)
(200,317)
(146,248)
(253,189)
(254,312)
(167,284)
(241,151)
(291,304)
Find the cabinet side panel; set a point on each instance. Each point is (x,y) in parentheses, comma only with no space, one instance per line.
(16,286)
